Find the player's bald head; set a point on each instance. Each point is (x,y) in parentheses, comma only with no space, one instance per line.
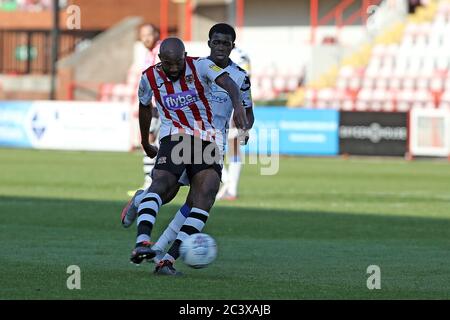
(172,47)
(172,55)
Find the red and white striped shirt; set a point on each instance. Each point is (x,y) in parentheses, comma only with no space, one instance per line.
(182,105)
(151,56)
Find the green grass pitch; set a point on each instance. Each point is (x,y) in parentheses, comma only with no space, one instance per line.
(309,232)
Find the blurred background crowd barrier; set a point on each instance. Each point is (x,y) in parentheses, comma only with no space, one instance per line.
(333,77)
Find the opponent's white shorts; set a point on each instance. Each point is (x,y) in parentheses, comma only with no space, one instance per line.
(155,125)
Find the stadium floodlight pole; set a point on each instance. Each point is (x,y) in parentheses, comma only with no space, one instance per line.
(164,18)
(314,8)
(188,21)
(55,48)
(232,13)
(240,16)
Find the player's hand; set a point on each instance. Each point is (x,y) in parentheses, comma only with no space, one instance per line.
(243,137)
(150,150)
(240,118)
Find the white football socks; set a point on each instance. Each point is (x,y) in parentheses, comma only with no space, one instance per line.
(234,172)
(170,234)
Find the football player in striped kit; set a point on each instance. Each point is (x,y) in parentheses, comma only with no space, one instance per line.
(221,42)
(188,143)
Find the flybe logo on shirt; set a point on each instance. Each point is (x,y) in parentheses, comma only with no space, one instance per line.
(180,100)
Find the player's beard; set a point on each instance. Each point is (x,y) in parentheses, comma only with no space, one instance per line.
(174,77)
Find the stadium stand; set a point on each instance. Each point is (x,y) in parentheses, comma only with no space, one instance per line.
(127,91)
(406,66)
(270,85)
(121,92)
(267,84)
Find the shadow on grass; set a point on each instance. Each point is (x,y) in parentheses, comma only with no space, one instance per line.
(322,254)
(228,221)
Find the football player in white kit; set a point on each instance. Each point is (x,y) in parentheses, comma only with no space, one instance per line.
(221,43)
(231,175)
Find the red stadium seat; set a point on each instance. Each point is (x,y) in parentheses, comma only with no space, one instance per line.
(411,73)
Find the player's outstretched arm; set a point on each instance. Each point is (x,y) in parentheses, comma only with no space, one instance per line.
(251,120)
(145,118)
(240,119)
(250,117)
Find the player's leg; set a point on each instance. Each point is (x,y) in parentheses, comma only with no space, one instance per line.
(129,212)
(224,187)
(234,170)
(205,185)
(230,177)
(147,211)
(205,182)
(170,233)
(165,176)
(149,164)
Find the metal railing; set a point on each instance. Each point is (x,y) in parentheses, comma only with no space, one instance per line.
(29,51)
(336,15)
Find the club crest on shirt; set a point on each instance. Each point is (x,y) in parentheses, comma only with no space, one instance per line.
(189,79)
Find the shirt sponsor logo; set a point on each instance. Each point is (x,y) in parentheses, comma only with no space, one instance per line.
(215,67)
(373,132)
(219,97)
(176,101)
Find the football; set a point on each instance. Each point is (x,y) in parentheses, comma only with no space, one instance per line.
(198,250)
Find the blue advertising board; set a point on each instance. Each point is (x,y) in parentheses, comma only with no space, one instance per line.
(66,125)
(60,125)
(13,132)
(294,131)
